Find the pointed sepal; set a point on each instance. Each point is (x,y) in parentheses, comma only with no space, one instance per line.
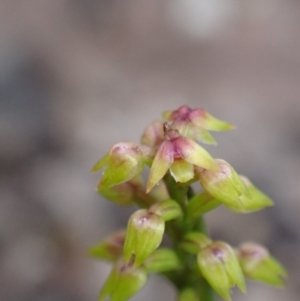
(259,200)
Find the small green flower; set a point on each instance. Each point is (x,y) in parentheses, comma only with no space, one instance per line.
(111,248)
(123,282)
(124,161)
(259,265)
(179,155)
(195,123)
(226,186)
(220,267)
(144,234)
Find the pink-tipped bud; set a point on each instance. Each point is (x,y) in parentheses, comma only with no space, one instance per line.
(259,265)
(123,282)
(143,236)
(123,162)
(220,267)
(226,186)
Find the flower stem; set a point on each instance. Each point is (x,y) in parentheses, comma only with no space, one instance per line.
(189,275)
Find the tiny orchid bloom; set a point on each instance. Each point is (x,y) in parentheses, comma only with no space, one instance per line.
(144,234)
(220,267)
(178,154)
(257,264)
(124,162)
(195,123)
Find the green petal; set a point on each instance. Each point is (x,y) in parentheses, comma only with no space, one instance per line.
(161,163)
(204,136)
(182,171)
(258,199)
(194,153)
(101,163)
(206,121)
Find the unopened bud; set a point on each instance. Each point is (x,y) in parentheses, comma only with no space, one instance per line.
(226,186)
(124,162)
(220,267)
(144,234)
(123,282)
(259,265)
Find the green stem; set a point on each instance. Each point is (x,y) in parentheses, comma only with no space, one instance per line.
(189,275)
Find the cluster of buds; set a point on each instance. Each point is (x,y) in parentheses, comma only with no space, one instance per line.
(169,207)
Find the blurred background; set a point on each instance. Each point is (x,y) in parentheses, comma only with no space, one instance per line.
(78,76)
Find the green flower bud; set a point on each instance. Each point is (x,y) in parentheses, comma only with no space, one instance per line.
(162,260)
(259,265)
(124,162)
(123,282)
(168,210)
(111,248)
(259,199)
(226,186)
(194,242)
(144,234)
(200,204)
(179,154)
(220,267)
